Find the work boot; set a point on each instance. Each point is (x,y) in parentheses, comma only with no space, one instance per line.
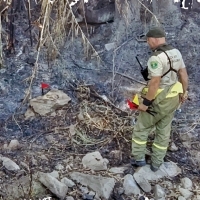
(154,168)
(137,163)
(172,147)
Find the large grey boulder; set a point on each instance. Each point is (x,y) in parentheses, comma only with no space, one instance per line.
(166,169)
(101,185)
(145,174)
(49,102)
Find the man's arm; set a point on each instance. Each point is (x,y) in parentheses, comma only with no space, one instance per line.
(183,76)
(153,86)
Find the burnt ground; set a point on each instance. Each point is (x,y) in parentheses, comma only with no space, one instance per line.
(97,124)
(47,141)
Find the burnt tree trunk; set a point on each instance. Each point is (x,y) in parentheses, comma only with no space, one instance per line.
(1,56)
(128,10)
(150,13)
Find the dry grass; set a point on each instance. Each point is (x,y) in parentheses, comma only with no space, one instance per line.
(125,7)
(60,23)
(3,7)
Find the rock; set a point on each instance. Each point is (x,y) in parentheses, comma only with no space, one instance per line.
(181,198)
(84,189)
(186,182)
(54,174)
(185,192)
(67,182)
(38,189)
(159,192)
(197,197)
(95,161)
(92,193)
(166,169)
(69,198)
(142,182)
(49,102)
(101,185)
(59,167)
(130,186)
(9,164)
(172,147)
(117,170)
(29,114)
(55,186)
(97,197)
(170,169)
(5,146)
(21,187)
(14,144)
(88,196)
(110,46)
(72,129)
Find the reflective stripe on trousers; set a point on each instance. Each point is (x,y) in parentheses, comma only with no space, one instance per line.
(144,142)
(159,147)
(139,142)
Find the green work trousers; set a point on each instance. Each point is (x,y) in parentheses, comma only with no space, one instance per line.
(165,108)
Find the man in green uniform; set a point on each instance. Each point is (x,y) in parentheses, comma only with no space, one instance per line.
(163,95)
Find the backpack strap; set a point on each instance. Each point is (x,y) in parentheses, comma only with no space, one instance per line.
(170,64)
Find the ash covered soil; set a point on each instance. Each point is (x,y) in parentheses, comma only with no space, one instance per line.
(59,140)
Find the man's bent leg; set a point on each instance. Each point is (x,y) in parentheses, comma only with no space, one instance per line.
(141,130)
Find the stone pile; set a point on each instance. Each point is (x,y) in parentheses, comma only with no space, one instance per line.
(97,181)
